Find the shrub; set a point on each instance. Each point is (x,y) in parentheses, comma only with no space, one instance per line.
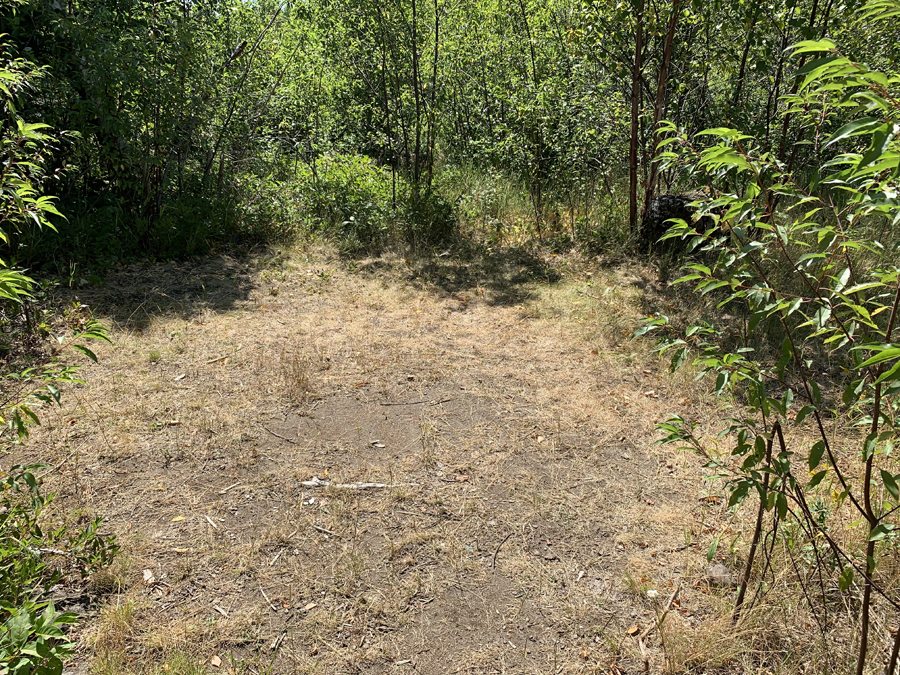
(32,638)
(808,257)
(348,197)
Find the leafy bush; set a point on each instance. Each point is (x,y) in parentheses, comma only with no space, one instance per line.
(348,197)
(31,636)
(807,256)
(32,640)
(429,219)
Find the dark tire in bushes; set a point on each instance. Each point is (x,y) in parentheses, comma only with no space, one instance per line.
(655,223)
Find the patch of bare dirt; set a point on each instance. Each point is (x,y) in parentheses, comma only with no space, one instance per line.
(520,512)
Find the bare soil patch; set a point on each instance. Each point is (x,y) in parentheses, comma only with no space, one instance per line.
(522,514)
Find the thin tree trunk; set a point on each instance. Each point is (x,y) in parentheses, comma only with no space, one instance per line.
(433,112)
(743,69)
(757,532)
(785,124)
(212,156)
(389,132)
(635,112)
(535,134)
(895,652)
(416,95)
(534,75)
(872,518)
(660,102)
(772,101)
(825,21)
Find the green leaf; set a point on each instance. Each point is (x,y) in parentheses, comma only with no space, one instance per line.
(87,352)
(869,446)
(815,454)
(846,579)
(881,140)
(815,480)
(782,506)
(816,392)
(711,551)
(888,354)
(855,128)
(880,531)
(813,46)
(890,374)
(852,391)
(890,484)
(804,413)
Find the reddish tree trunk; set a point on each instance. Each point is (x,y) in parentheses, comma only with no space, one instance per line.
(660,101)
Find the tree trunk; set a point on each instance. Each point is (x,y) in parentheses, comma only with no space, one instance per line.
(782,146)
(417,97)
(433,105)
(743,69)
(660,102)
(635,113)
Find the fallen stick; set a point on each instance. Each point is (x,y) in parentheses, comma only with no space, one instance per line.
(429,402)
(644,655)
(369,486)
(317,483)
(497,550)
(323,530)
(284,438)
(267,598)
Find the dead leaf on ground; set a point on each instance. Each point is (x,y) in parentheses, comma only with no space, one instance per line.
(215,661)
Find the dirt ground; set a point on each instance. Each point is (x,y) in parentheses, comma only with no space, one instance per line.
(521,521)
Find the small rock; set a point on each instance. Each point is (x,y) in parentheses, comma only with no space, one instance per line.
(720,576)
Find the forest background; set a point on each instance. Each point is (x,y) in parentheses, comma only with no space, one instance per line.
(176,127)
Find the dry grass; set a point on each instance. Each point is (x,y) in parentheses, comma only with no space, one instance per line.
(501,397)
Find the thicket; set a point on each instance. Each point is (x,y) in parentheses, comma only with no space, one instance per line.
(808,261)
(184,125)
(36,551)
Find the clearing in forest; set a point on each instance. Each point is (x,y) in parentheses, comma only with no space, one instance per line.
(520,512)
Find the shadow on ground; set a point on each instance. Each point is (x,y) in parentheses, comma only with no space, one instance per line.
(504,275)
(133,295)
